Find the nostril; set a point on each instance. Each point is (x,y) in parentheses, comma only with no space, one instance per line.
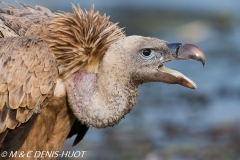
(177,49)
(174,48)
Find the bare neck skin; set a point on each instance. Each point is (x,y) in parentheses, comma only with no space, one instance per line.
(102,99)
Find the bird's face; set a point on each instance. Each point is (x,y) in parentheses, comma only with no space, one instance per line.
(142,59)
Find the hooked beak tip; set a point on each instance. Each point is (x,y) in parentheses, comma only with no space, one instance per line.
(187,51)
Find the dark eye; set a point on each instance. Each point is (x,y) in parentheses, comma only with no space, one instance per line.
(146,52)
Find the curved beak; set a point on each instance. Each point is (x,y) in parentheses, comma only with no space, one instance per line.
(186,52)
(181,52)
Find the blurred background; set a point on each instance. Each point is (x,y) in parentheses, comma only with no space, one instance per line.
(171,122)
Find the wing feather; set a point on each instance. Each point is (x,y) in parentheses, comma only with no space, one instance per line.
(16,97)
(3,117)
(24,101)
(3,87)
(3,99)
(25,85)
(23,114)
(23,22)
(11,121)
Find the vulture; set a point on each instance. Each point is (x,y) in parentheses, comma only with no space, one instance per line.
(61,73)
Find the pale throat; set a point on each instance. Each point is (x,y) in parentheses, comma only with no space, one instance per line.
(102,99)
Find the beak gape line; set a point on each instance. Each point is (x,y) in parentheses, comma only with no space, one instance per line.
(180,52)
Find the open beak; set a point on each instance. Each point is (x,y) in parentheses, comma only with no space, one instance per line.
(181,52)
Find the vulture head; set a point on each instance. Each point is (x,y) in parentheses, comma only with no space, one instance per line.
(102,68)
(141,59)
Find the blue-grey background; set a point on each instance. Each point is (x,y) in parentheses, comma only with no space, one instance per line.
(171,122)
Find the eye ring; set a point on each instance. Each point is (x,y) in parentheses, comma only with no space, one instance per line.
(147,53)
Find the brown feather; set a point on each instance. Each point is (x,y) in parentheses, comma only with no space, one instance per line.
(27,86)
(2,137)
(2,101)
(3,88)
(79,129)
(6,31)
(23,94)
(36,92)
(80,39)
(23,114)
(46,88)
(3,118)
(16,137)
(28,59)
(32,102)
(11,122)
(24,101)
(16,97)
